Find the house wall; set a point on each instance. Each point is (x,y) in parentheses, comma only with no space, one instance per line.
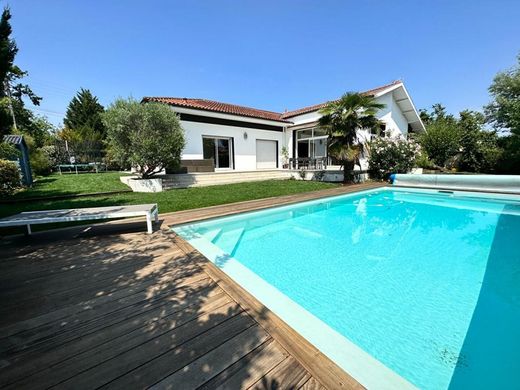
(392,115)
(244,149)
(396,123)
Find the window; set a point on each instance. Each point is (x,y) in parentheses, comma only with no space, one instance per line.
(219,149)
(379,132)
(311,143)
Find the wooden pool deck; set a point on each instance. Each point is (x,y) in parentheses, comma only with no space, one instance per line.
(109,306)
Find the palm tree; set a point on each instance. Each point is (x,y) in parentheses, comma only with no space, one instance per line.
(343,118)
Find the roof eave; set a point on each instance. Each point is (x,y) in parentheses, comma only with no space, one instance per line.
(153,99)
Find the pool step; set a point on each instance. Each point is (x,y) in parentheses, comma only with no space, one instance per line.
(229,240)
(212,234)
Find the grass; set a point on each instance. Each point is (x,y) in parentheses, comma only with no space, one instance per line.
(172,200)
(72,184)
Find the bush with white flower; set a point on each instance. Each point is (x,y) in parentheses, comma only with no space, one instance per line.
(392,155)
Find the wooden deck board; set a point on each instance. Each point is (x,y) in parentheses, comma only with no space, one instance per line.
(249,369)
(97,307)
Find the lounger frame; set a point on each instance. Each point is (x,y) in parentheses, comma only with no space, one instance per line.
(29,218)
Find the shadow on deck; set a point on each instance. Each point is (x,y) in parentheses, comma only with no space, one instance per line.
(127,310)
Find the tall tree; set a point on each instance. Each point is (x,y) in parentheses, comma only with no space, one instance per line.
(343,119)
(441,139)
(84,115)
(8,47)
(12,90)
(504,114)
(504,110)
(479,151)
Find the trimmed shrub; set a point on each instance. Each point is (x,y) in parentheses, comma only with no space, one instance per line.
(10,178)
(390,155)
(146,136)
(40,163)
(8,152)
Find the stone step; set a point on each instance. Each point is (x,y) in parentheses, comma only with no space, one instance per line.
(197,180)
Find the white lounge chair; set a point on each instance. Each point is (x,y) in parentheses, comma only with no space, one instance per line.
(29,218)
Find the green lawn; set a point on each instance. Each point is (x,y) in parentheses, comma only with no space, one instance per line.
(72,184)
(172,200)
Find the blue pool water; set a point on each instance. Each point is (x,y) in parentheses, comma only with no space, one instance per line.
(426,283)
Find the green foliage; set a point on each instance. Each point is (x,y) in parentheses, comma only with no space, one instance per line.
(53,154)
(40,163)
(479,151)
(147,136)
(285,154)
(8,152)
(462,143)
(8,47)
(342,119)
(442,137)
(84,116)
(84,130)
(389,155)
(504,111)
(10,178)
(504,114)
(6,121)
(509,160)
(37,127)
(10,75)
(423,161)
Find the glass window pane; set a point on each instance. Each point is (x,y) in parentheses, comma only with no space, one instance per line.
(304,134)
(223,153)
(318,132)
(303,149)
(208,149)
(320,147)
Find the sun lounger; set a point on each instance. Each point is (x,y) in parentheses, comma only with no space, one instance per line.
(87,214)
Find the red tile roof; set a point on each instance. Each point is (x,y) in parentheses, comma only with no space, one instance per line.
(304,110)
(233,109)
(210,105)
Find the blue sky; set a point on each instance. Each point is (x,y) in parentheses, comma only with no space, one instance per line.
(273,55)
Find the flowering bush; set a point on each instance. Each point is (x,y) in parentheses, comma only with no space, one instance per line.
(392,155)
(9,177)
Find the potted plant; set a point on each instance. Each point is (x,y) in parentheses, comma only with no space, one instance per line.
(285,157)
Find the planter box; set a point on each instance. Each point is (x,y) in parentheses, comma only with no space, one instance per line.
(143,185)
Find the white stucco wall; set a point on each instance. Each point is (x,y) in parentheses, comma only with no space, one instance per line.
(396,123)
(244,149)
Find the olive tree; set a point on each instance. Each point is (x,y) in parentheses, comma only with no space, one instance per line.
(148,136)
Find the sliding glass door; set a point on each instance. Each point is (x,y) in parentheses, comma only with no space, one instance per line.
(220,150)
(311,143)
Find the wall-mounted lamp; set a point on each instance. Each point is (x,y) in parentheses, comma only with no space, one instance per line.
(245,134)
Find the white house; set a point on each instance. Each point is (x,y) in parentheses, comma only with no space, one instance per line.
(246,139)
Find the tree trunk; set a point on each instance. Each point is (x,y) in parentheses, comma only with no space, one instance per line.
(348,167)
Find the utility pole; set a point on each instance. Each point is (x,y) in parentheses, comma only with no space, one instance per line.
(7,90)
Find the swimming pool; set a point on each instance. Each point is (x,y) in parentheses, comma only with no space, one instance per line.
(401,288)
